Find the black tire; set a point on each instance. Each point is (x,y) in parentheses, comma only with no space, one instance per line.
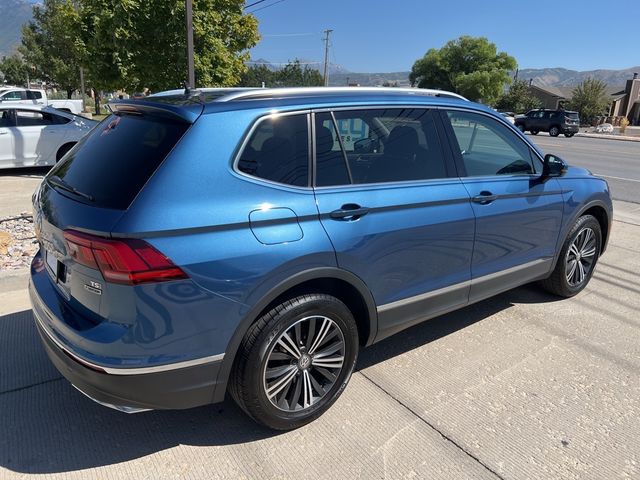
(63,150)
(558,283)
(520,127)
(534,132)
(554,131)
(263,349)
(569,134)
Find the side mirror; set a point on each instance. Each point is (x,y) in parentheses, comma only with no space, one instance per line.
(553,166)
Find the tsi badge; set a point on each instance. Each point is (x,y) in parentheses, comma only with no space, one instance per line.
(94,287)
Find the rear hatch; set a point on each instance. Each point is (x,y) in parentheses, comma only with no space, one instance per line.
(83,197)
(571,118)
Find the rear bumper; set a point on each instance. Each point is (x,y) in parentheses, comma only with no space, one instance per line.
(570,129)
(170,386)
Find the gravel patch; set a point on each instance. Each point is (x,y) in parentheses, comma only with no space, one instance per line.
(18,242)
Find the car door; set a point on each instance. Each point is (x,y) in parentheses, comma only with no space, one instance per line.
(396,214)
(7,154)
(535,121)
(36,137)
(518,214)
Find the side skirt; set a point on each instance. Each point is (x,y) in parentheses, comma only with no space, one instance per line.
(397,316)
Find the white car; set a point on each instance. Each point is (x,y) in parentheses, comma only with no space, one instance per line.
(510,116)
(32,135)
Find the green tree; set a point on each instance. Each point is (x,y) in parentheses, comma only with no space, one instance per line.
(52,43)
(291,75)
(589,99)
(470,66)
(134,44)
(519,98)
(13,70)
(256,75)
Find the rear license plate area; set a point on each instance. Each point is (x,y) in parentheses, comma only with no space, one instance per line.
(55,268)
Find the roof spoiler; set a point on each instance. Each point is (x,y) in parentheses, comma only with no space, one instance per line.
(182,113)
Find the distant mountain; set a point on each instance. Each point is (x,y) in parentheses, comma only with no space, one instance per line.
(401,79)
(561,77)
(13,14)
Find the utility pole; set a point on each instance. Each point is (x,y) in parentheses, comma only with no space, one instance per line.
(84,108)
(326,57)
(190,66)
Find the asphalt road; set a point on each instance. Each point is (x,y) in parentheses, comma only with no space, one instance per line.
(616,161)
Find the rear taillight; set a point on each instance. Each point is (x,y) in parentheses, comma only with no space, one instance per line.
(126,261)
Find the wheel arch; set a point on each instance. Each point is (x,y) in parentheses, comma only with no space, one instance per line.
(599,210)
(344,285)
(600,213)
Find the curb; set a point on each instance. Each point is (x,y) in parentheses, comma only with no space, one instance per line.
(12,280)
(609,137)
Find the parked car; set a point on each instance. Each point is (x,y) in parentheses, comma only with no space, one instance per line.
(254,241)
(510,116)
(38,136)
(553,121)
(23,96)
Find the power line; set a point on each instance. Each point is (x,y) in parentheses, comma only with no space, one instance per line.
(281,63)
(266,6)
(289,35)
(254,3)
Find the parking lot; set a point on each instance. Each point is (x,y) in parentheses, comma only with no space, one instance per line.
(521,386)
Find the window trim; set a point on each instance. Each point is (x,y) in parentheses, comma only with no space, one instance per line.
(249,133)
(449,159)
(454,147)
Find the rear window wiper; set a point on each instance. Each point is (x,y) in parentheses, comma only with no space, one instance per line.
(60,183)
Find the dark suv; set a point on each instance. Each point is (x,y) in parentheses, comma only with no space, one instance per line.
(254,241)
(553,121)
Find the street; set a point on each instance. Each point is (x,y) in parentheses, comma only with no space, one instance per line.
(616,161)
(520,386)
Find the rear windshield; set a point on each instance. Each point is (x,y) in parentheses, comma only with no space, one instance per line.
(573,115)
(114,161)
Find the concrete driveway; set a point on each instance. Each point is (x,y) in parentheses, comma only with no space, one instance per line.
(16,187)
(521,386)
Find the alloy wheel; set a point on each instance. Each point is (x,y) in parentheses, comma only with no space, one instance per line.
(581,257)
(304,363)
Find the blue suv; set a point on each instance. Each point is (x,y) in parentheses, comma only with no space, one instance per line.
(252,241)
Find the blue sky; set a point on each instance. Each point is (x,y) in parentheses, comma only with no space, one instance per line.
(385,36)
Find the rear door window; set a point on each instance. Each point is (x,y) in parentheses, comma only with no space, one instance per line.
(34,95)
(278,150)
(33,118)
(115,160)
(376,146)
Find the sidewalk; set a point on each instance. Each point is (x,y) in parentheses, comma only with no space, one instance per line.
(13,291)
(608,136)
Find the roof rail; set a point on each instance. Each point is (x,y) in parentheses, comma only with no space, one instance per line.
(295,91)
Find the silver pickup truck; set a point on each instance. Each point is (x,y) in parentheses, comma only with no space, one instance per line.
(24,96)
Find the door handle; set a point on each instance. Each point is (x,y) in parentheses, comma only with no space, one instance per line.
(3,132)
(484,198)
(349,211)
